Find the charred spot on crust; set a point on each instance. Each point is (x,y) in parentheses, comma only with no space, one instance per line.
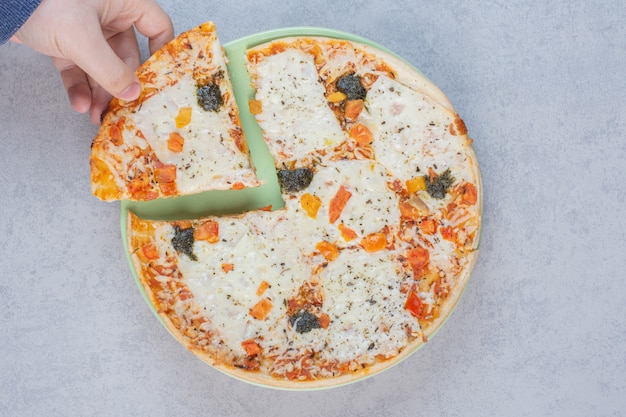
(352,87)
(210,97)
(304,322)
(439,184)
(293,180)
(183,241)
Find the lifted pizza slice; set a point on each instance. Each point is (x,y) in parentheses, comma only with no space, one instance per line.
(183,134)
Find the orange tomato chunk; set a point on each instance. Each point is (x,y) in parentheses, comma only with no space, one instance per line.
(428,226)
(408,211)
(310,204)
(168,188)
(175,142)
(338,203)
(261,309)
(323,320)
(209,231)
(470,195)
(347,233)
(353,108)
(361,134)
(419,258)
(228,267)
(150,251)
(336,97)
(251,347)
(264,285)
(415,306)
(415,184)
(184,117)
(166,173)
(256,106)
(374,242)
(328,250)
(448,233)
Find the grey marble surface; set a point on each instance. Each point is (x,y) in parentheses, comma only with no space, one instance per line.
(541,329)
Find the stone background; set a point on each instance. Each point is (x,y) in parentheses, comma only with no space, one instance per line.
(541,329)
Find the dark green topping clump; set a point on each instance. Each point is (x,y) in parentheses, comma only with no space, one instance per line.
(210,97)
(304,322)
(183,241)
(293,180)
(351,86)
(438,185)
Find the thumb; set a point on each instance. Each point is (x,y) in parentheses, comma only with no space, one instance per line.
(93,54)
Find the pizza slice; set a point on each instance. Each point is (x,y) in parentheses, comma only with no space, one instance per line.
(183,134)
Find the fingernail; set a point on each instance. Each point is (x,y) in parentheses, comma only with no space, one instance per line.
(131,92)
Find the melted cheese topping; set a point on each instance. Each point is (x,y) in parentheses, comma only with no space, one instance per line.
(372,205)
(209,158)
(258,249)
(365,304)
(411,132)
(296,118)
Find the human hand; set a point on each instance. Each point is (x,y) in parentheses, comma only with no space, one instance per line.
(93,45)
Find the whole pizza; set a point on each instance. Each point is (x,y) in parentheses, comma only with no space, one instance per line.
(381,215)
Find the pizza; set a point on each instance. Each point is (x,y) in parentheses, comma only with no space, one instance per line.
(372,248)
(182,135)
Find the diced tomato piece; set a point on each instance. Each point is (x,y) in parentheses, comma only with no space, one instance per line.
(353,108)
(150,251)
(256,106)
(228,267)
(209,231)
(165,173)
(336,97)
(323,320)
(238,186)
(408,211)
(347,233)
(263,286)
(470,195)
(374,242)
(328,250)
(428,226)
(184,117)
(251,347)
(338,203)
(415,306)
(416,184)
(310,204)
(361,134)
(419,258)
(261,309)
(175,142)
(448,233)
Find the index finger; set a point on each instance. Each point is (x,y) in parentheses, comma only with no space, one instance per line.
(154,24)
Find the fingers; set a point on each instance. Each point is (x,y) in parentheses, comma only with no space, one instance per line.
(84,93)
(90,51)
(154,24)
(76,84)
(125,46)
